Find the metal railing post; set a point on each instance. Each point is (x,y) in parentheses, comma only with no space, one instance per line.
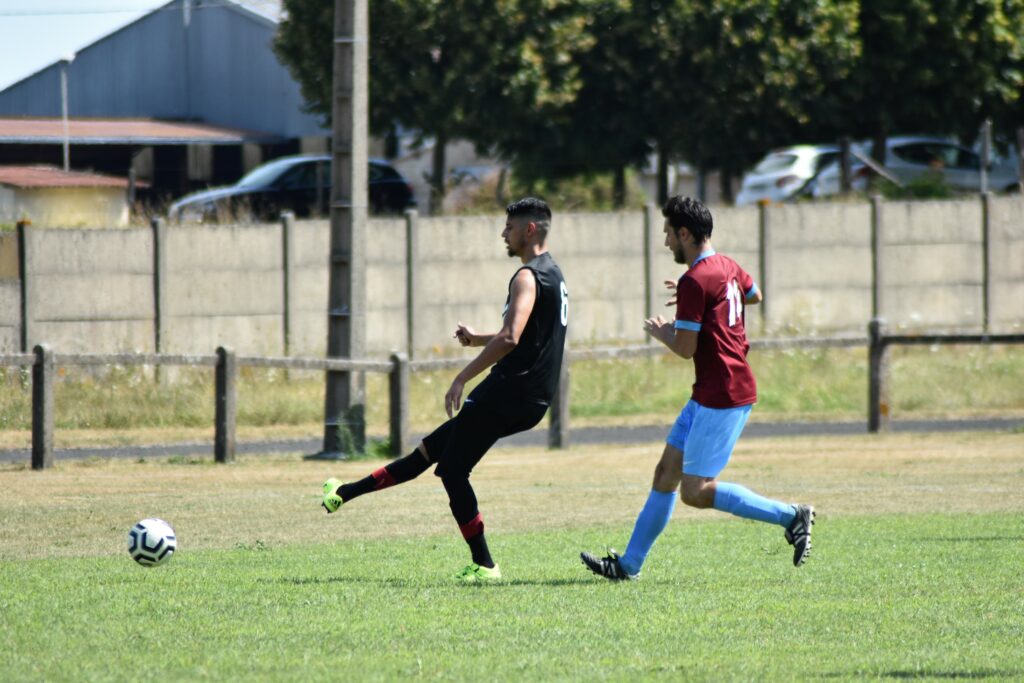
(878,377)
(226,406)
(398,382)
(42,408)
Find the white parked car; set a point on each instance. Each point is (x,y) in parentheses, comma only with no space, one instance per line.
(910,157)
(784,172)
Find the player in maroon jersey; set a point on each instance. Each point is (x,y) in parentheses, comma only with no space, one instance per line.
(709,328)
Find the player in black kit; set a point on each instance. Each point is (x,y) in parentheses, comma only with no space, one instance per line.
(526,355)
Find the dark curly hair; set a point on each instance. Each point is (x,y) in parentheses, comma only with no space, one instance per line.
(684,212)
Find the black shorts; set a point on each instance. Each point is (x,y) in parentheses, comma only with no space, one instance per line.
(458,444)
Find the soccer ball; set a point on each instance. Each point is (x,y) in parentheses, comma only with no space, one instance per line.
(151,542)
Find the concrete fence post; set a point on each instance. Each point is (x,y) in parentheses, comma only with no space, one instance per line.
(764,249)
(986,261)
(878,377)
(877,257)
(226,405)
(412,256)
(558,424)
(288,277)
(159,227)
(42,408)
(25,286)
(398,382)
(650,306)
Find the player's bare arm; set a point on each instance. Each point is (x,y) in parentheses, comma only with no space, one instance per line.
(755,298)
(680,342)
(522,297)
(467,336)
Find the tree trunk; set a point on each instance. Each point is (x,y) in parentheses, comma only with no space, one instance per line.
(725,184)
(662,176)
(437,174)
(619,191)
(500,190)
(878,154)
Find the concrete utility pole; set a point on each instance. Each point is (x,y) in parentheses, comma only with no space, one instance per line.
(64,64)
(344,414)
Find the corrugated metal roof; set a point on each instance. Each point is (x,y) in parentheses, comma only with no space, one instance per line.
(121,132)
(51,176)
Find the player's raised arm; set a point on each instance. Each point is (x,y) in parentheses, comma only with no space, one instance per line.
(522,296)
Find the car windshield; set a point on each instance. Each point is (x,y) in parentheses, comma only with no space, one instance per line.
(775,162)
(264,175)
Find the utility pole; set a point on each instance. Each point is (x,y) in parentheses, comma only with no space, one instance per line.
(64,64)
(344,411)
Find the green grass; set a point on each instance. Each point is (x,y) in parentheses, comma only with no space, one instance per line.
(888,597)
(812,384)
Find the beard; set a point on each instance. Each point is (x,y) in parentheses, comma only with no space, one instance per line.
(511,252)
(678,255)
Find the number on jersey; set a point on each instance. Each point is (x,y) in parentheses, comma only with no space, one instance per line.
(735,299)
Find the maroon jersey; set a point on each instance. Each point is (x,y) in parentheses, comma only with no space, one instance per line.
(710,297)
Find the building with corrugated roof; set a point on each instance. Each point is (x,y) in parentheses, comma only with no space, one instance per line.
(198,62)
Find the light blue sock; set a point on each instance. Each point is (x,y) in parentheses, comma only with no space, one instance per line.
(743,502)
(649,525)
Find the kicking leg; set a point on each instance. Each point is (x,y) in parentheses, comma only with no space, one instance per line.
(337,493)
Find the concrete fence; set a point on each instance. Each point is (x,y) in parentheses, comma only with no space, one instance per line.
(262,289)
(226,363)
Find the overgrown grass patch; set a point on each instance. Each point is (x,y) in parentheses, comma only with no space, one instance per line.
(792,384)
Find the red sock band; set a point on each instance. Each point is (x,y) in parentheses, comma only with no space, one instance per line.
(473,527)
(383,479)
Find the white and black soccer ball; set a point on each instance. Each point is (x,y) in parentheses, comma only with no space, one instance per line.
(152,542)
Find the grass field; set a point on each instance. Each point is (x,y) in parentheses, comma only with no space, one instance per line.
(916,572)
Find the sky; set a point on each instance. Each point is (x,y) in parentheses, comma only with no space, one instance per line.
(36,33)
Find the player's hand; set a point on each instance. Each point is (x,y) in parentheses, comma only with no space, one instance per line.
(671,285)
(465,334)
(659,328)
(453,399)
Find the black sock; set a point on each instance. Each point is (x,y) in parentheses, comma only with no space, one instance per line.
(462,500)
(481,555)
(396,472)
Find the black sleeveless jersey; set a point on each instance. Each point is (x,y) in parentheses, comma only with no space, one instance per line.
(530,371)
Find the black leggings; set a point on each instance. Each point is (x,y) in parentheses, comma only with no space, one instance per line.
(459,444)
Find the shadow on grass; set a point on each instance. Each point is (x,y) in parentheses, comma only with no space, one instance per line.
(911,675)
(970,539)
(400,582)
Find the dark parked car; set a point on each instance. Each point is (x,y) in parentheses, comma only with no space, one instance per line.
(290,184)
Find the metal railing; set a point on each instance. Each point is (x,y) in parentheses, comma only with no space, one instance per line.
(226,364)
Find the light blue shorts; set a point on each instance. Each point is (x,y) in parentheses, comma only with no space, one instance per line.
(706,436)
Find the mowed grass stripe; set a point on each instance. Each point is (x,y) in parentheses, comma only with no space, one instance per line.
(915,574)
(921,595)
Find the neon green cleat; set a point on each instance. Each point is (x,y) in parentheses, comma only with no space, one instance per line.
(332,501)
(474,573)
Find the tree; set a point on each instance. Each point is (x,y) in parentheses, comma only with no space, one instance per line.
(936,66)
(445,68)
(759,74)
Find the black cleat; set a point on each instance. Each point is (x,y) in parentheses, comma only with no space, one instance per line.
(798,534)
(608,567)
